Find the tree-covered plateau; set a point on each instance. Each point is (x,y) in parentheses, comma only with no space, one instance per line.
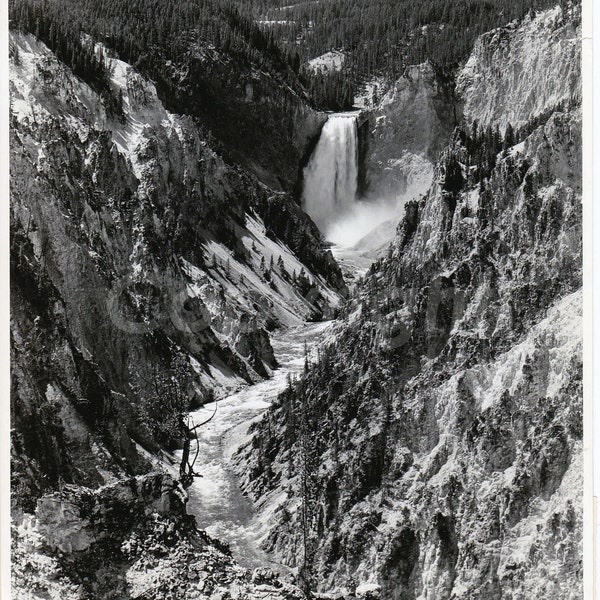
(377,37)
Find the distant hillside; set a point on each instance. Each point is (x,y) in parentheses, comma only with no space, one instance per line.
(381,37)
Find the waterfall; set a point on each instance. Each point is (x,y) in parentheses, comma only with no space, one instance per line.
(331,175)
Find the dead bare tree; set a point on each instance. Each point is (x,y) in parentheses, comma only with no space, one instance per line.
(186,466)
(164,407)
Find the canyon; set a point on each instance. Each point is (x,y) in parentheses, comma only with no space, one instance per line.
(369,330)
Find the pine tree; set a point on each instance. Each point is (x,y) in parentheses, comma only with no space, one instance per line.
(509,137)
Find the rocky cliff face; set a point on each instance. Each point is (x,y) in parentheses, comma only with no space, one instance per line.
(403,133)
(514,73)
(434,450)
(523,70)
(134,243)
(258,121)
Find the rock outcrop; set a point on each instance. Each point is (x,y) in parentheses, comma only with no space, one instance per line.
(524,69)
(127,540)
(402,134)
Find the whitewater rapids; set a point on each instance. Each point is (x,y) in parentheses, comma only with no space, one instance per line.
(215,499)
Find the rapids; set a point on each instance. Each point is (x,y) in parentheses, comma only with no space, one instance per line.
(215,498)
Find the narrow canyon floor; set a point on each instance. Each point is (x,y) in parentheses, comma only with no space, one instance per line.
(215,498)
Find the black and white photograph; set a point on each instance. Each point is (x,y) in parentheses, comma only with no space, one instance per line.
(299,298)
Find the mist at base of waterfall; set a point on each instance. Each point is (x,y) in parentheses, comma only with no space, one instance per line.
(330,191)
(362,218)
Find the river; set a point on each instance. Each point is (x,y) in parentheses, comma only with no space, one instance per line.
(215,498)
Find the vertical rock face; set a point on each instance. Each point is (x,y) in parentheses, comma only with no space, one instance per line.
(523,70)
(133,243)
(435,448)
(417,115)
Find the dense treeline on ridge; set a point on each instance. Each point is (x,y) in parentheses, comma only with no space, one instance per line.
(377,37)
(149,34)
(382,37)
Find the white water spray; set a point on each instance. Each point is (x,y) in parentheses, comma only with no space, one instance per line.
(331,176)
(330,184)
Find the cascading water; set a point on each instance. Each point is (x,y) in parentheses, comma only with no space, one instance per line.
(330,185)
(331,176)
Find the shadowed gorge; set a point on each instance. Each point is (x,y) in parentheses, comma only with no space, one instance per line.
(296,300)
